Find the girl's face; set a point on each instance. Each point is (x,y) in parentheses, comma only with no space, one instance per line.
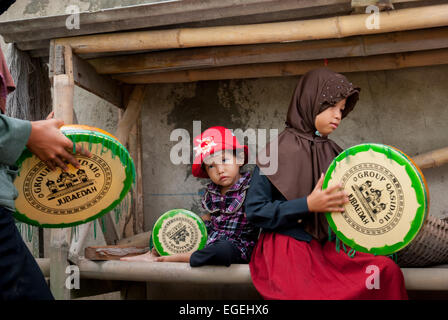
(328,120)
(223,169)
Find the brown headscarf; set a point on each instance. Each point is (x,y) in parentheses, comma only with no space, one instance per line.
(303,156)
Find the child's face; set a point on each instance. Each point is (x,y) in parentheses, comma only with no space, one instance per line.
(223,168)
(328,120)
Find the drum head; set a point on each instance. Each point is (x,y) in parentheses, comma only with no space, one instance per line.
(179,231)
(58,199)
(388,198)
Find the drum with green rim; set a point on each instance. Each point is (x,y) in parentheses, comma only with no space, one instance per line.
(179,231)
(388,198)
(58,199)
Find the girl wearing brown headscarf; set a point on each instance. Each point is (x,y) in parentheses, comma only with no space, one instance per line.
(293,258)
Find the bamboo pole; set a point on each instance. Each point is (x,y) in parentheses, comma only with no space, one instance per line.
(63,89)
(432,159)
(280,69)
(334,27)
(175,60)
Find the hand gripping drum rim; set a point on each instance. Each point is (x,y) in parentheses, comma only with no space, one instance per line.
(418,185)
(90,136)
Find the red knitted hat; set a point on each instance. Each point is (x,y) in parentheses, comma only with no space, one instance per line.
(212,140)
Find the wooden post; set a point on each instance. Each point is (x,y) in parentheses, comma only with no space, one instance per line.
(131,114)
(128,132)
(63,88)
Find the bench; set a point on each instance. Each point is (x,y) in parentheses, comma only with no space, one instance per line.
(173,280)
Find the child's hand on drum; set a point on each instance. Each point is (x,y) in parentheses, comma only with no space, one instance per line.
(331,199)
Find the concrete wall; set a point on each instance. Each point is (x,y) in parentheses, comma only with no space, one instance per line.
(403,108)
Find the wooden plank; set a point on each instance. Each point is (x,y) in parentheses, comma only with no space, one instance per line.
(157,15)
(184,59)
(139,205)
(432,159)
(365,3)
(111,232)
(131,114)
(315,29)
(280,69)
(87,78)
(58,66)
(113,252)
(141,239)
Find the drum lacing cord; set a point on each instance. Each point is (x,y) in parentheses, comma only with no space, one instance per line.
(351,253)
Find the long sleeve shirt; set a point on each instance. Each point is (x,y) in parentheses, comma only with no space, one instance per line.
(14,134)
(268,209)
(228,221)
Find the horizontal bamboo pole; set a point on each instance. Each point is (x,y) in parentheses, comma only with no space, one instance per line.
(432,159)
(415,278)
(357,64)
(326,28)
(173,272)
(174,60)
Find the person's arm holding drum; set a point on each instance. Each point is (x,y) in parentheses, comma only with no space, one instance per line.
(268,211)
(48,143)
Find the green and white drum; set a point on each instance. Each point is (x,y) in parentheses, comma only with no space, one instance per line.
(388,198)
(58,199)
(179,231)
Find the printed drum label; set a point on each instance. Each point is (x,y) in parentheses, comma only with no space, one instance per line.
(382,201)
(376,200)
(65,197)
(67,192)
(179,234)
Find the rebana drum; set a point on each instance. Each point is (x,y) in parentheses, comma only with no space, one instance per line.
(388,198)
(179,231)
(58,199)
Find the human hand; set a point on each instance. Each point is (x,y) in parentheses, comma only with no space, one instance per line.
(50,115)
(206,217)
(329,200)
(50,145)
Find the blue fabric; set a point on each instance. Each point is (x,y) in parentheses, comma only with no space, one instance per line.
(219,253)
(20,276)
(268,209)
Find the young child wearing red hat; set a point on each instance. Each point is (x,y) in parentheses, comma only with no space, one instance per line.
(231,238)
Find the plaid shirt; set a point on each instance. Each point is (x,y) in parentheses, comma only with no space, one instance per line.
(228,221)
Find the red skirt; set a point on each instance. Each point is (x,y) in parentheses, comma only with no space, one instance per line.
(287,269)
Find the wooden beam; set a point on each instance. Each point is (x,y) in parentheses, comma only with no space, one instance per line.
(113,252)
(155,15)
(195,58)
(86,77)
(432,159)
(356,64)
(365,3)
(131,114)
(141,239)
(335,27)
